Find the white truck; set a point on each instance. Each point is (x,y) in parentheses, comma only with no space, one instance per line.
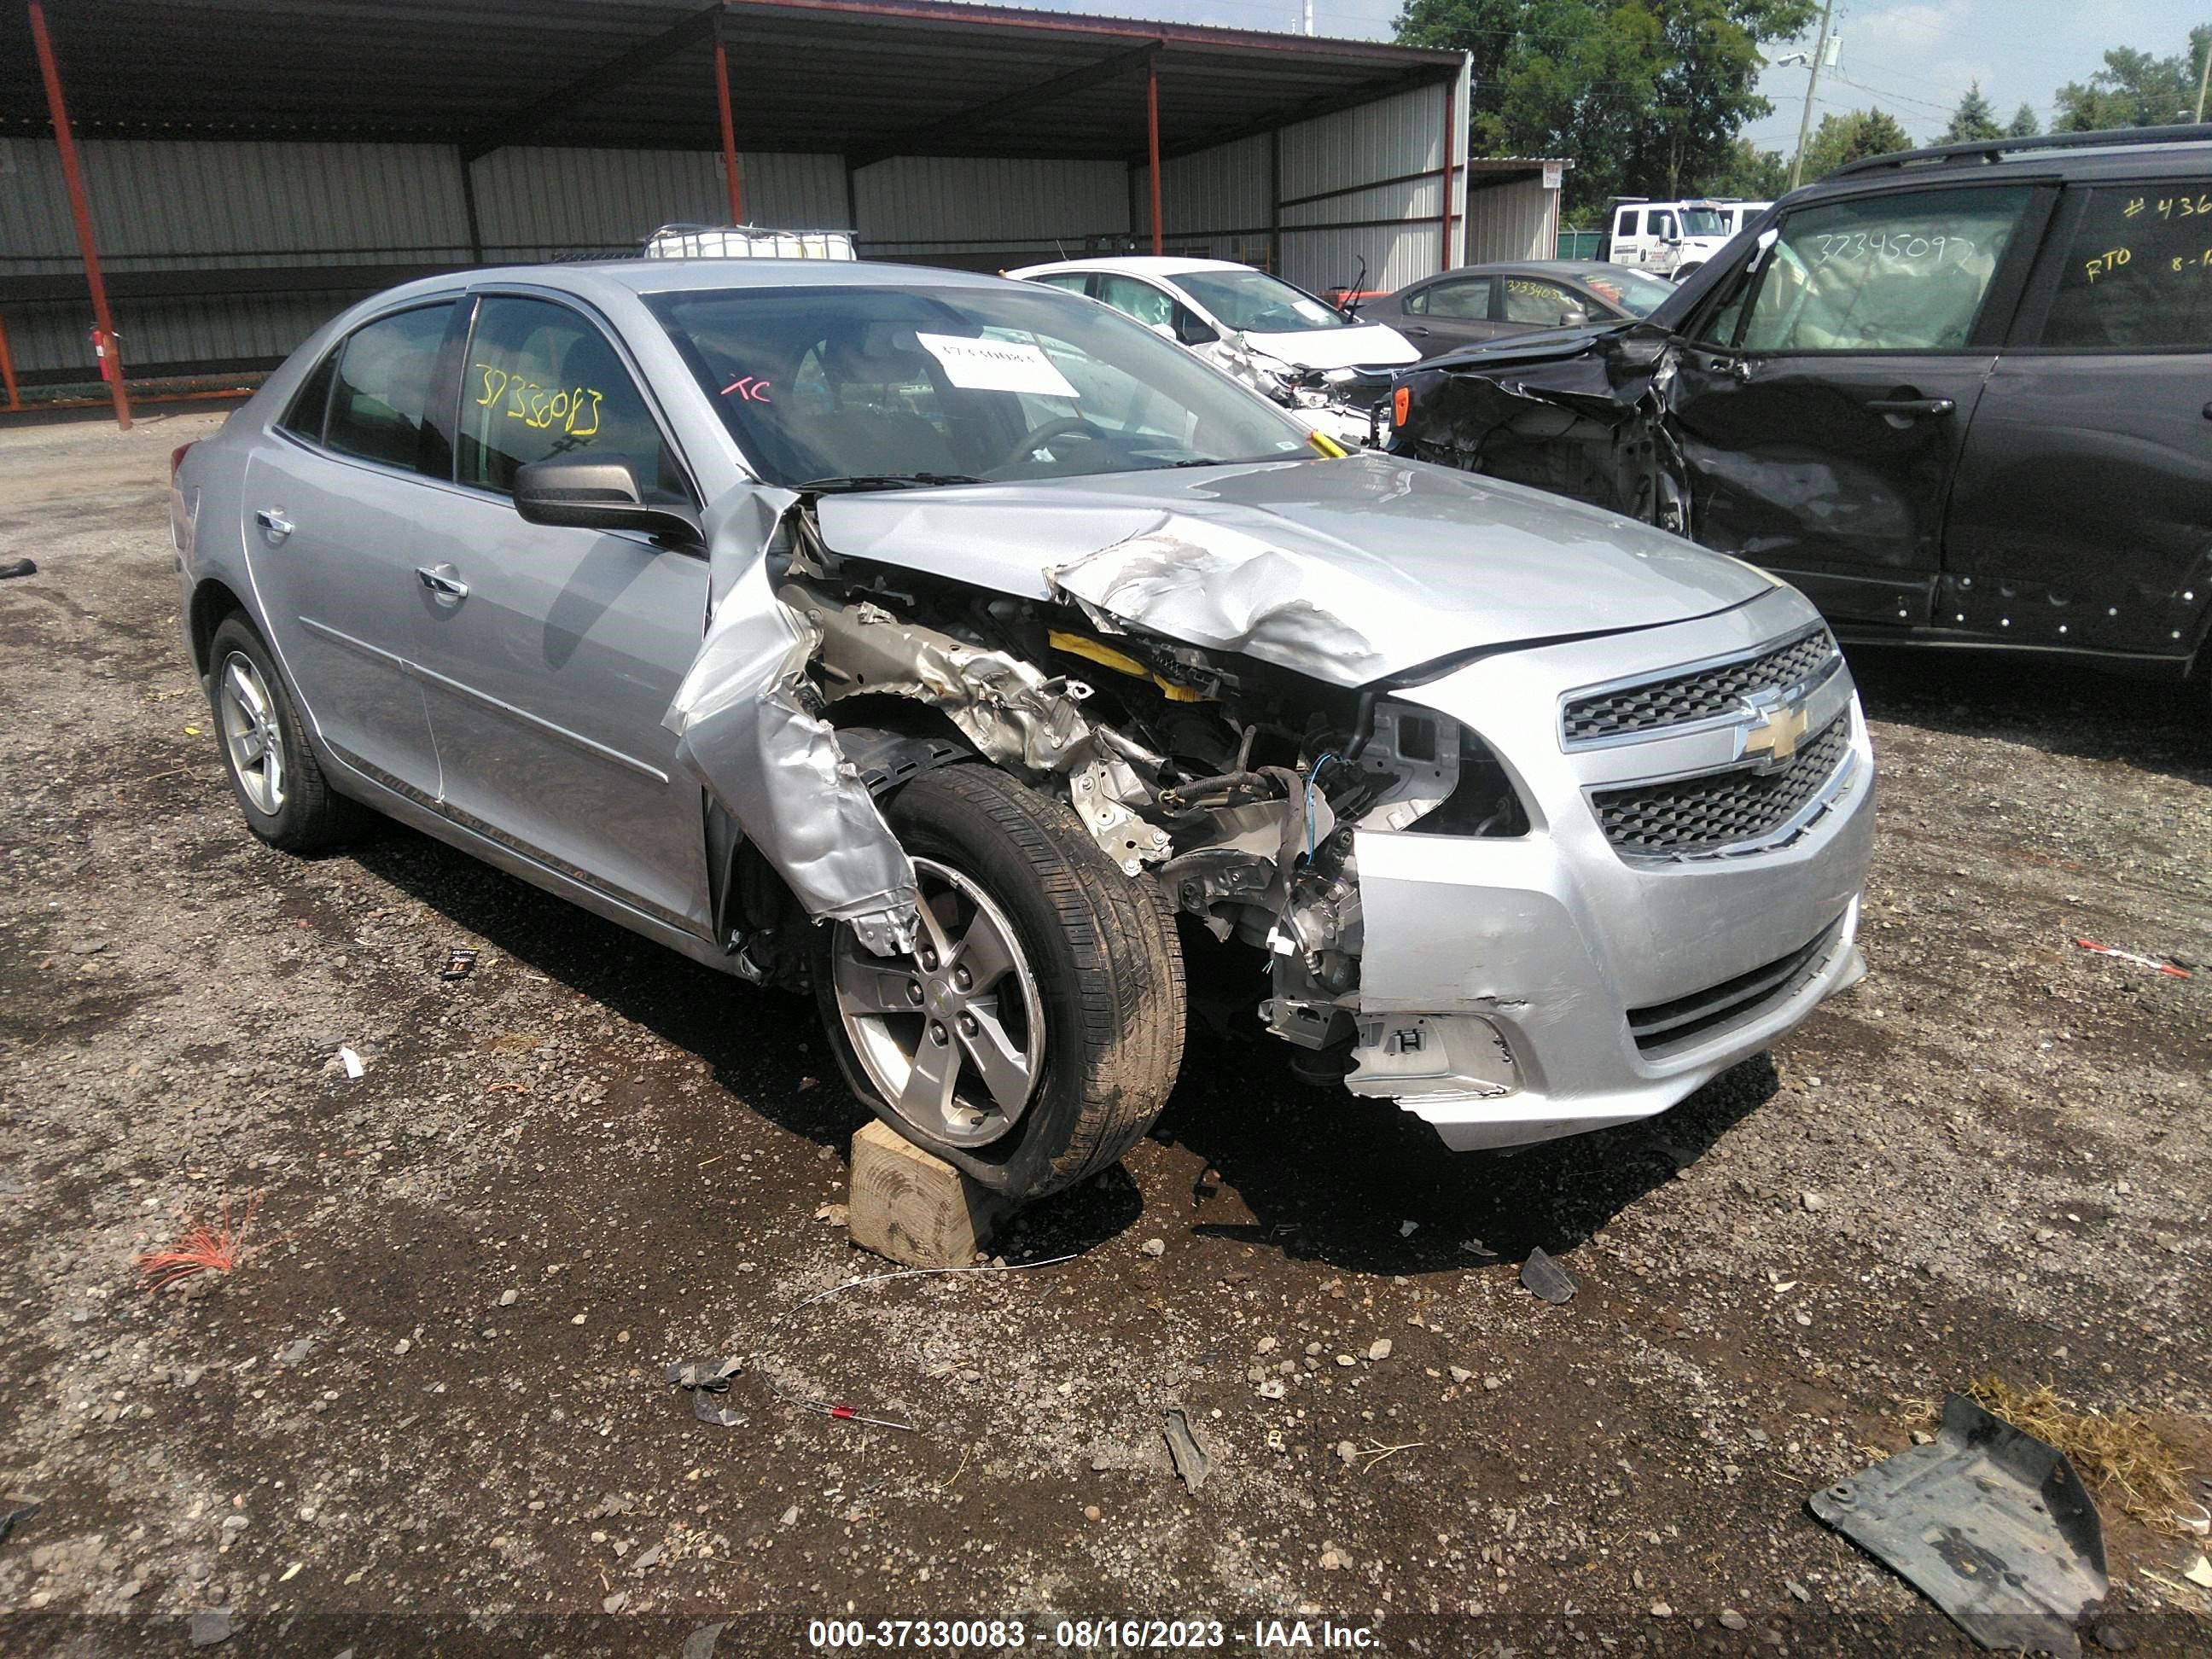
(1670,239)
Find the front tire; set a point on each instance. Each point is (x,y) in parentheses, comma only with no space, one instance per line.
(1034,1035)
(280,786)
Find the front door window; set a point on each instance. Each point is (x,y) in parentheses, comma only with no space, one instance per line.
(1883,273)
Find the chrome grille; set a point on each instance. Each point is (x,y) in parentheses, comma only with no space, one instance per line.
(1705,694)
(1720,809)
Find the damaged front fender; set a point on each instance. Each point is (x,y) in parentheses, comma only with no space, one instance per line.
(1582,415)
(749,726)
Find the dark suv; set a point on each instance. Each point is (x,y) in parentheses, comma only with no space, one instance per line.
(1956,394)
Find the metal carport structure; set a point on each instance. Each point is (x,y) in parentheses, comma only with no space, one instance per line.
(246,168)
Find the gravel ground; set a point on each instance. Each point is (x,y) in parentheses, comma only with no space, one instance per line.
(428,1405)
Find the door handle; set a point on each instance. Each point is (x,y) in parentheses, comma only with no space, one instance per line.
(443,580)
(1409,329)
(273,521)
(1912,406)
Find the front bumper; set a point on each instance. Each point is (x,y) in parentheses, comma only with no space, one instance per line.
(1499,976)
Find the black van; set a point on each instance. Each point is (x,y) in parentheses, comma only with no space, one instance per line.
(1961,395)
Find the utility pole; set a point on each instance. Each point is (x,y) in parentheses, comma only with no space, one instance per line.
(1812,81)
(2203,75)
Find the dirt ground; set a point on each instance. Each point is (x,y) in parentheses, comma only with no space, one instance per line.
(427,1409)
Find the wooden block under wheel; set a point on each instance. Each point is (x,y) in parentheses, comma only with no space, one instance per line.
(914,1208)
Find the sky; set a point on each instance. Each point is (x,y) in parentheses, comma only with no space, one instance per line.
(1913,58)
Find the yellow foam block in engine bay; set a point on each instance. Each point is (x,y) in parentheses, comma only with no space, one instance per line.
(1106,656)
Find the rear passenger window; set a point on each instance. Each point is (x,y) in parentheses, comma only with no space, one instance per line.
(381,394)
(1907,272)
(1470,298)
(542,381)
(2138,275)
(312,401)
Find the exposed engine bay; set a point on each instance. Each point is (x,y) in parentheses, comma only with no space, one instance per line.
(1234,785)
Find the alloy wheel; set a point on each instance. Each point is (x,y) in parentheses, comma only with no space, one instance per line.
(252,733)
(952,1036)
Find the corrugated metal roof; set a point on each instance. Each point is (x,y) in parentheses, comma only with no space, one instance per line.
(844,76)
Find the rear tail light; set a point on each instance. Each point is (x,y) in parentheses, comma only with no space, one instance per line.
(177,459)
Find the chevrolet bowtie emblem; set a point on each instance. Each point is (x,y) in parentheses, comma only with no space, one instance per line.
(1774,735)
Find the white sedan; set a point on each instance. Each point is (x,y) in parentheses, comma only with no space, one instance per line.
(1280,340)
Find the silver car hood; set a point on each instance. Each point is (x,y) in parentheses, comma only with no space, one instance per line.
(1348,571)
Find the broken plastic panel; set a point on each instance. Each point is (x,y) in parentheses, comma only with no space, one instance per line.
(1989,1523)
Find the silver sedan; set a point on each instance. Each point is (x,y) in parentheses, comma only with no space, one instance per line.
(965,656)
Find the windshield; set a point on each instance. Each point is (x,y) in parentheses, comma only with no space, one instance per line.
(1254,302)
(1633,291)
(1703,222)
(872,387)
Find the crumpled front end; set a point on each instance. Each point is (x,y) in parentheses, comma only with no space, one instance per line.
(1555,887)
(1582,415)
(1687,891)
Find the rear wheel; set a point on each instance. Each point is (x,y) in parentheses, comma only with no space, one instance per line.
(280,786)
(1036,1030)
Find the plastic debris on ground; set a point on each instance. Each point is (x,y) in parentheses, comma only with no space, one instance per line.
(1989,1523)
(13,1512)
(2200,1573)
(2157,964)
(17,567)
(1545,1278)
(209,1626)
(847,1413)
(351,1061)
(708,1380)
(459,964)
(1189,1458)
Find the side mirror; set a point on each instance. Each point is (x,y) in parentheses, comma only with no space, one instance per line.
(1573,317)
(596,492)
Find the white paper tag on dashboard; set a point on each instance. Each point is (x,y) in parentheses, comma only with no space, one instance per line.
(996,365)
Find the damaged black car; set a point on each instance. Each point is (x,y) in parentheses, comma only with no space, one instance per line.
(1956,396)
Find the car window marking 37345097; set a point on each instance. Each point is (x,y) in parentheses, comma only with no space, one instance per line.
(539,407)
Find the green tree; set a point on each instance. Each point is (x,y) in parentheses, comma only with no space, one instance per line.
(2134,89)
(1973,120)
(2023,123)
(1646,97)
(1847,138)
(1752,174)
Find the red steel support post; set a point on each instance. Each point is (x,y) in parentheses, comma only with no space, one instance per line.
(8,370)
(74,181)
(729,125)
(1153,143)
(1452,100)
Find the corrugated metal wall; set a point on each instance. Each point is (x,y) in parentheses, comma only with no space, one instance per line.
(186,205)
(1217,203)
(988,212)
(170,204)
(1519,220)
(198,205)
(542,204)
